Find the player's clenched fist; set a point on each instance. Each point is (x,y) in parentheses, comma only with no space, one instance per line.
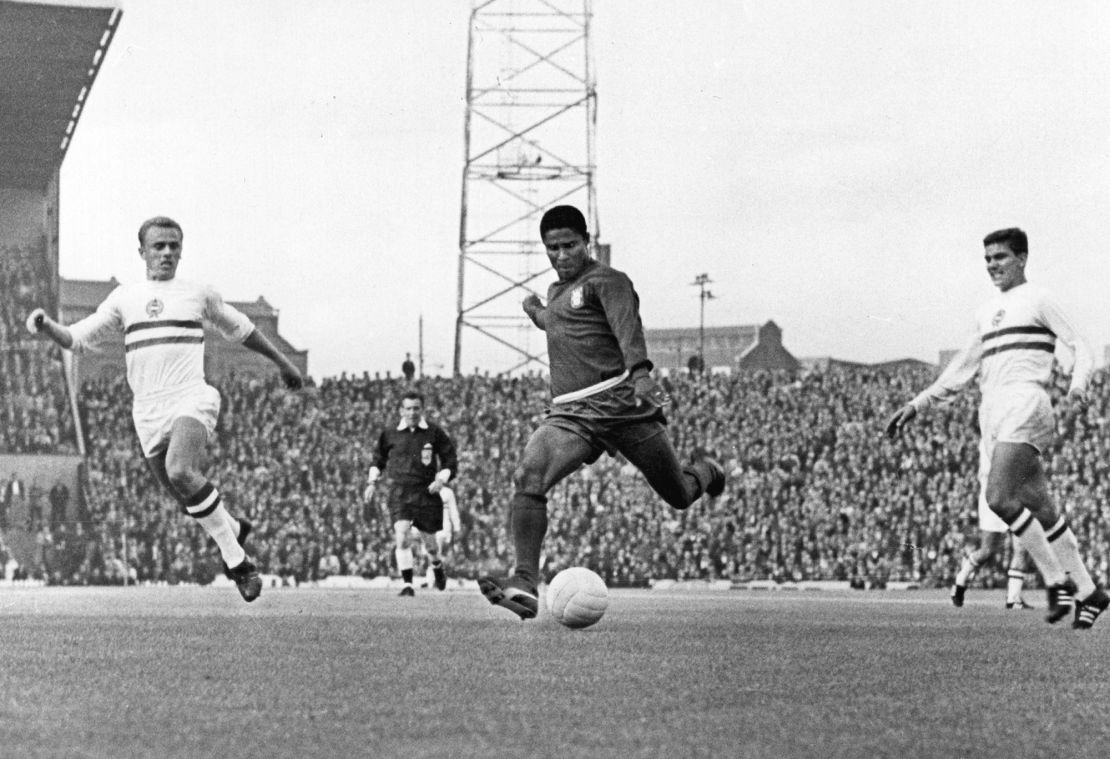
(292,378)
(647,390)
(35,320)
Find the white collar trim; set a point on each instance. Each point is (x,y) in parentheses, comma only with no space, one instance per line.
(422,424)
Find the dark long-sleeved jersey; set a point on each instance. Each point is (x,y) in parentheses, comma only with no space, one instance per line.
(593,329)
(415,455)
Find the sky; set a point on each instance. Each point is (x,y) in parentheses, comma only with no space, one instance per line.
(832,166)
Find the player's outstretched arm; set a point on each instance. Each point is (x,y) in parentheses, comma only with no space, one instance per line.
(534,307)
(290,374)
(38,322)
(900,419)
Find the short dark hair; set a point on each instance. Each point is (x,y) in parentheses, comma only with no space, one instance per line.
(413,395)
(564,217)
(158,221)
(1014,238)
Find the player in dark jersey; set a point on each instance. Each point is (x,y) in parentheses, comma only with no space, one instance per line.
(604,399)
(421,460)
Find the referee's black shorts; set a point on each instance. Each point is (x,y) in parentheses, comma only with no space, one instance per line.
(415,504)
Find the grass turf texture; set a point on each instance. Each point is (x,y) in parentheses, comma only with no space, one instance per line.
(195,672)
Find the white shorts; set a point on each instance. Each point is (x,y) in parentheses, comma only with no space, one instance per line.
(1016,414)
(154,418)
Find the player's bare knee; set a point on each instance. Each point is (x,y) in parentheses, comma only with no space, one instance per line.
(182,477)
(1002,503)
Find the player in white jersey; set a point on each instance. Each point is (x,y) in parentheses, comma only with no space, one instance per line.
(1013,352)
(175,410)
(445,537)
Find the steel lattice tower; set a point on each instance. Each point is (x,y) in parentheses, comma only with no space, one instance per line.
(531,116)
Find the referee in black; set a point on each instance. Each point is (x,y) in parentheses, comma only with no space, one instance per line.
(419,459)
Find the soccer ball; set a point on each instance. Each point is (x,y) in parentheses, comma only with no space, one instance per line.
(577,597)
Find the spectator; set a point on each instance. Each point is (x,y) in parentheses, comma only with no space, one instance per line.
(59,505)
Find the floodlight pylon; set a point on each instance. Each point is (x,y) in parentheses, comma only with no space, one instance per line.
(529,134)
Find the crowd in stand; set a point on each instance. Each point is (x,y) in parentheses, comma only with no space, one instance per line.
(815,492)
(34,411)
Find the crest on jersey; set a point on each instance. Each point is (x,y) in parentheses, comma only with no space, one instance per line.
(426,454)
(576,298)
(998,317)
(154,308)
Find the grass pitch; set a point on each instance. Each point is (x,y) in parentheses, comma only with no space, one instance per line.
(195,672)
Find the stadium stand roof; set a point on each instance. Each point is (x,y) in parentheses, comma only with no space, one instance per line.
(50,54)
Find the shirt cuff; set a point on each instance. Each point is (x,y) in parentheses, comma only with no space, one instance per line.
(444,476)
(373,474)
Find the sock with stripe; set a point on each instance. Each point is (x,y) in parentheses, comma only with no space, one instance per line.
(1066,547)
(1032,538)
(205,507)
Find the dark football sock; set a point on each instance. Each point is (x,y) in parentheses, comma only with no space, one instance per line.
(529,525)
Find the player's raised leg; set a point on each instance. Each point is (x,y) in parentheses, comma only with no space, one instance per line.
(649,449)
(201,500)
(240,527)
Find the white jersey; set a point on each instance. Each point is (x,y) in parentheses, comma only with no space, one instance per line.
(1014,344)
(163,332)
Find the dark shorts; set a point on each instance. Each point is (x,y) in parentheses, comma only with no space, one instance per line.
(609,421)
(415,504)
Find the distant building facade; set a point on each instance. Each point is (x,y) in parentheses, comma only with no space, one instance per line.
(822,363)
(739,348)
(80,297)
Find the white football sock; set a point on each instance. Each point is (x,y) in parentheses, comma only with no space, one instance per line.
(217,525)
(1066,547)
(1032,538)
